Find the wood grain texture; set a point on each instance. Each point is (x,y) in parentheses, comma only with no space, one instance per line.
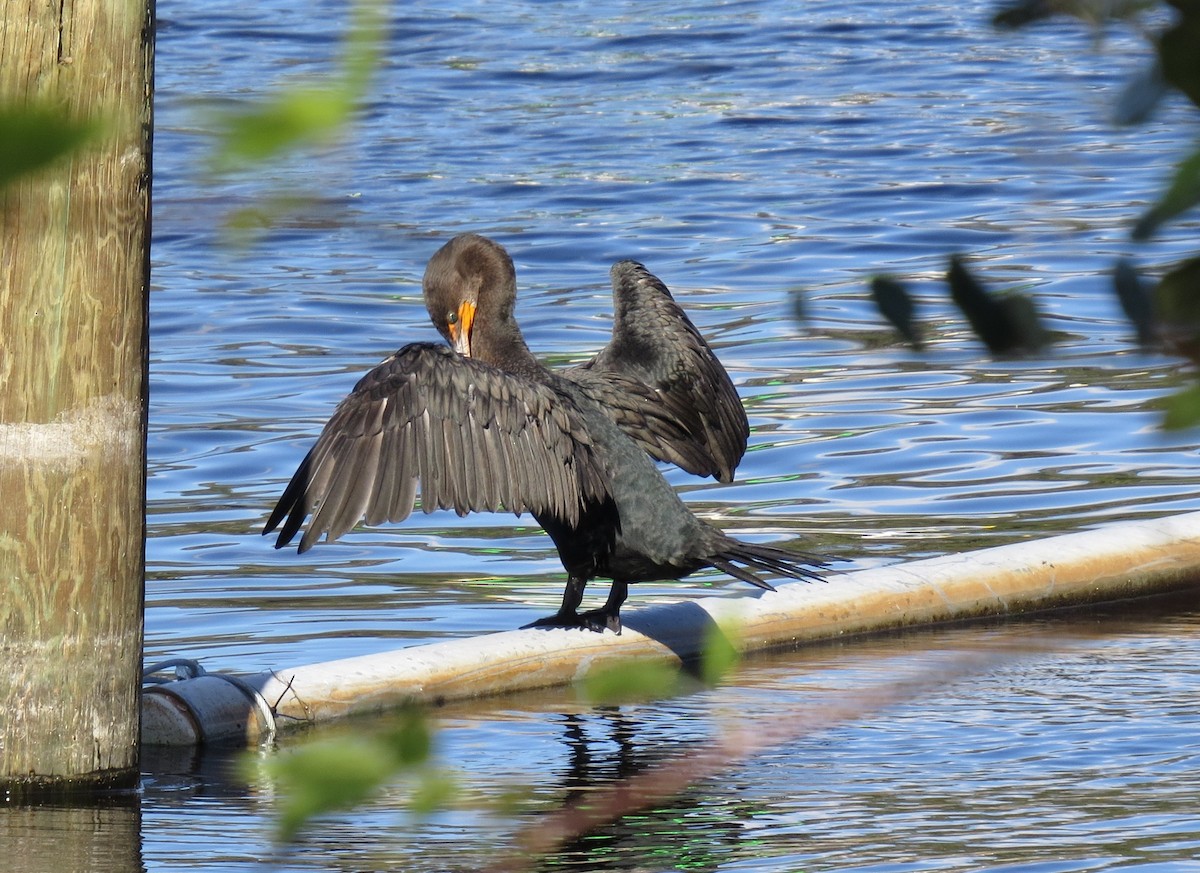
(73,302)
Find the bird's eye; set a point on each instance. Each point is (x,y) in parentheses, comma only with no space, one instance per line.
(452,317)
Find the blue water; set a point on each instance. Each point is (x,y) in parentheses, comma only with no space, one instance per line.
(760,158)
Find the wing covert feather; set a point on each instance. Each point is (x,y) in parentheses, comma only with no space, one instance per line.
(662,384)
(472,437)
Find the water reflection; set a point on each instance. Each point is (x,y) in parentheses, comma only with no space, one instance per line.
(1073,746)
(605,748)
(1071,743)
(103,837)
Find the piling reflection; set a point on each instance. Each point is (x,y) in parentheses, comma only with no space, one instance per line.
(102,837)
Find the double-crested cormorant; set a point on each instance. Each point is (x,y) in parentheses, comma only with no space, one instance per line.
(484,426)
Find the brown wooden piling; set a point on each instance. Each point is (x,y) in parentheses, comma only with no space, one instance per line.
(74,277)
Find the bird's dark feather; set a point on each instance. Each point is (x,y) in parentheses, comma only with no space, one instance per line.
(475,438)
(686,410)
(498,431)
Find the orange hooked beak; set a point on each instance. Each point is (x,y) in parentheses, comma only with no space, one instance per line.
(460,330)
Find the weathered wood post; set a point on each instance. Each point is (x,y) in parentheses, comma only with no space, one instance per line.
(74,272)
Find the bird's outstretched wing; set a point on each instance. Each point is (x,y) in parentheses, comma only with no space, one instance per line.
(473,438)
(695,416)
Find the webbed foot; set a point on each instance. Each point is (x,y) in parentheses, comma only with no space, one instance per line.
(595,620)
(599,619)
(608,617)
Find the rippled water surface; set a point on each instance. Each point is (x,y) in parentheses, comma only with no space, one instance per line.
(764,159)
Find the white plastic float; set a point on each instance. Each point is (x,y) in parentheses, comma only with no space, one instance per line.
(1116,562)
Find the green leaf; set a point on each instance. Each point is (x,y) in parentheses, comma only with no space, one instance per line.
(302,115)
(720,655)
(325,776)
(643,680)
(411,741)
(1179,54)
(33,137)
(364,45)
(649,680)
(1183,409)
(291,118)
(1183,194)
(335,774)
(1177,298)
(436,789)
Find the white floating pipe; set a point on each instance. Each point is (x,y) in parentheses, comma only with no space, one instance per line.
(1117,562)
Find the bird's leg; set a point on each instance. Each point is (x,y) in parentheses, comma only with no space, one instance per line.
(568,614)
(572,596)
(598,620)
(609,615)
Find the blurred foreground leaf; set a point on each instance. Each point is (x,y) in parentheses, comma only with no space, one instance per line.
(649,680)
(721,654)
(626,683)
(324,776)
(411,741)
(1137,301)
(335,774)
(290,118)
(1008,323)
(1183,409)
(306,114)
(1177,298)
(1177,305)
(435,790)
(33,137)
(1183,194)
(244,225)
(1022,12)
(1179,50)
(896,305)
(1141,95)
(1025,12)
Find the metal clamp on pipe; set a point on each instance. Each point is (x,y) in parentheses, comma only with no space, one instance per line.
(197,707)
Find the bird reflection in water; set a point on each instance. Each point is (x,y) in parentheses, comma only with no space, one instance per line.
(608,747)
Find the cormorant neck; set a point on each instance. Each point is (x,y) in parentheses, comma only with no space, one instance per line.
(503,346)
